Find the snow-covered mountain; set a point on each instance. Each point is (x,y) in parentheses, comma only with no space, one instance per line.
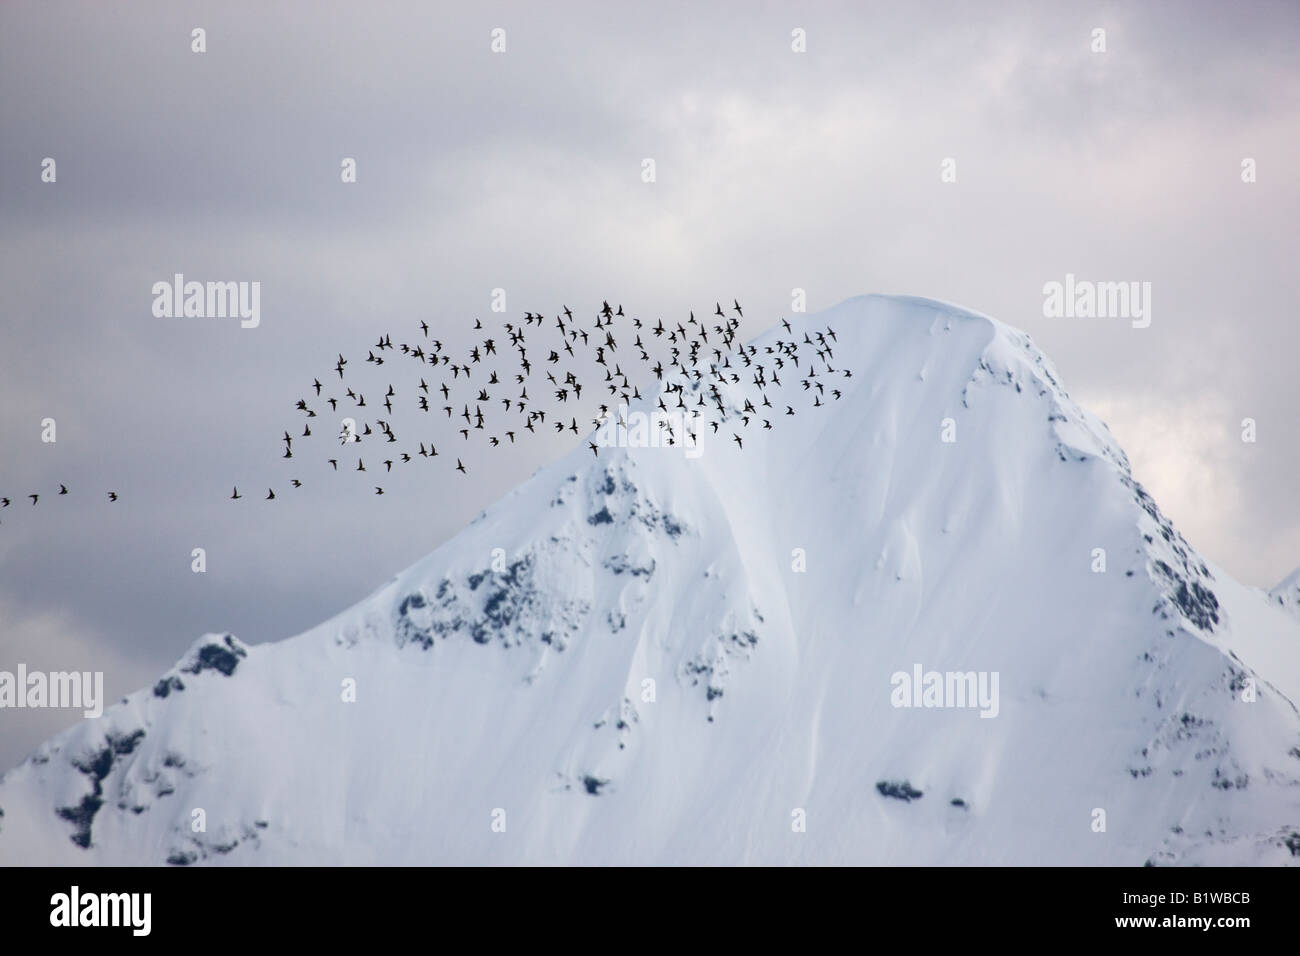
(647,657)
(1287,594)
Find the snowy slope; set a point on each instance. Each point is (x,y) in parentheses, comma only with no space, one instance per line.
(522,695)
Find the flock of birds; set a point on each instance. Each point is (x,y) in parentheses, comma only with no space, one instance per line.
(484,393)
(487,387)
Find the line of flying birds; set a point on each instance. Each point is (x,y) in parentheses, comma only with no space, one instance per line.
(63,490)
(701,358)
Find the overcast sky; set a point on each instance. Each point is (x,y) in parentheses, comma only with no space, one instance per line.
(522,171)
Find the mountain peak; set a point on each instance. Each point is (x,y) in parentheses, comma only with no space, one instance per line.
(933,616)
(1286,594)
